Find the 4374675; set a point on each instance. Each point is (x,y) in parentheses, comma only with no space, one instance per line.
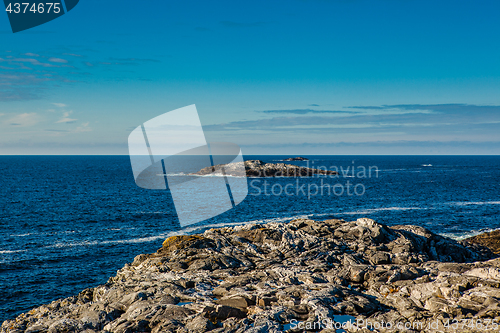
(35,7)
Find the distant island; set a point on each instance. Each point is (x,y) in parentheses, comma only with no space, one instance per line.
(257,168)
(296,159)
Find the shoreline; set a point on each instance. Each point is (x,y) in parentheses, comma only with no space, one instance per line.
(257,277)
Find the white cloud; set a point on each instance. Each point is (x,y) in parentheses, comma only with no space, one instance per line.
(24,119)
(84,128)
(66,119)
(58,60)
(31,54)
(32,61)
(60,105)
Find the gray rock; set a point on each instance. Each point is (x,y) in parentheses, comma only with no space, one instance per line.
(200,324)
(240,302)
(380,258)
(223,312)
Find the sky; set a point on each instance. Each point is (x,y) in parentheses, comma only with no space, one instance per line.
(334,77)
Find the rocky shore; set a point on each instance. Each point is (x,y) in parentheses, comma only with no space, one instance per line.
(289,277)
(296,159)
(257,168)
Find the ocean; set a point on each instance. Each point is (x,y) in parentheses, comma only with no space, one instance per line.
(69,222)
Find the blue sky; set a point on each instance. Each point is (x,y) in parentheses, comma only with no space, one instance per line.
(290,77)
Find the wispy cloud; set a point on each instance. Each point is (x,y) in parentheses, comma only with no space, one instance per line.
(18,86)
(386,129)
(83,128)
(232,24)
(396,147)
(59,105)
(26,76)
(66,119)
(435,108)
(129,60)
(56,130)
(305,111)
(58,60)
(24,119)
(31,61)
(389,116)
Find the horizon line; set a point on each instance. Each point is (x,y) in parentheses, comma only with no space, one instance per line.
(267,155)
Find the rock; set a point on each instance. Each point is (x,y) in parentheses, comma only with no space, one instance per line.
(300,312)
(65,326)
(223,312)
(296,159)
(490,240)
(262,235)
(200,324)
(435,304)
(181,242)
(357,273)
(485,273)
(240,302)
(176,312)
(380,258)
(169,300)
(267,301)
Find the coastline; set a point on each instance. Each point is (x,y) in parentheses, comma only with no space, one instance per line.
(268,277)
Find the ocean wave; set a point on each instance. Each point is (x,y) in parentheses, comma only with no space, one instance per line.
(458,236)
(197,229)
(426,165)
(376,210)
(45,233)
(220,175)
(159,212)
(11,251)
(184,231)
(477,203)
(201,176)
(190,230)
(110,242)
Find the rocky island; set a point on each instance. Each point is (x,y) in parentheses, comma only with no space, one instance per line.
(291,276)
(296,159)
(257,168)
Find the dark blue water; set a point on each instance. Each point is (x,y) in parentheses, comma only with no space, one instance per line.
(68,223)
